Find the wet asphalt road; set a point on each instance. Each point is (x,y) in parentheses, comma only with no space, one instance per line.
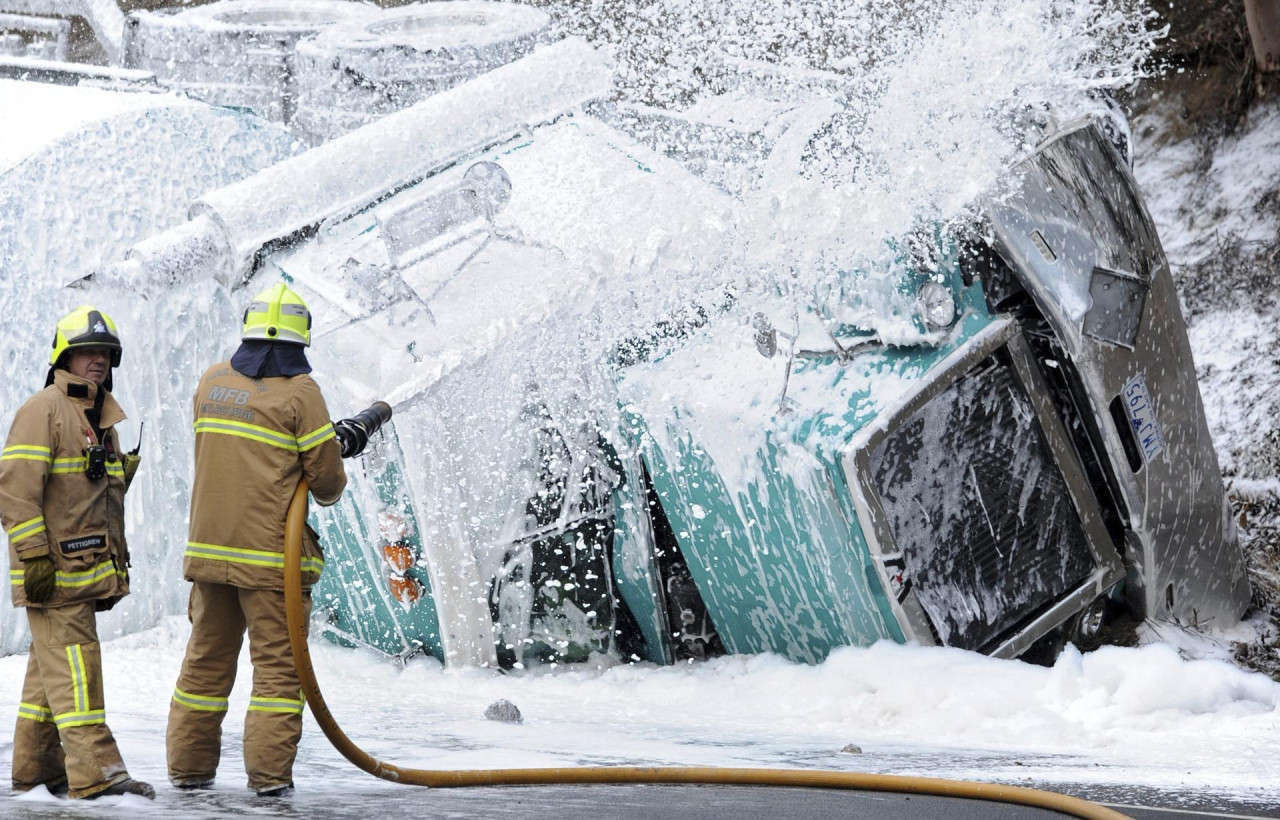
(643,802)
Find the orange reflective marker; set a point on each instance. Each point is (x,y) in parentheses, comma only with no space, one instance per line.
(398,556)
(404,590)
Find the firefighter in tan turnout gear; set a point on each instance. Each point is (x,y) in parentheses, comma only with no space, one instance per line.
(261,424)
(63,478)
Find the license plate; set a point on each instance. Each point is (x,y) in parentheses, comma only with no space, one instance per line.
(1142,415)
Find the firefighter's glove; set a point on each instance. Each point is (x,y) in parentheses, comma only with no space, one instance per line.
(38,576)
(352,437)
(131,462)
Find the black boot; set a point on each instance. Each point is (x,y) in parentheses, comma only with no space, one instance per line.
(277,791)
(126,786)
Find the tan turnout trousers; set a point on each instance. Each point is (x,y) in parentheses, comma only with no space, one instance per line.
(62,735)
(220,614)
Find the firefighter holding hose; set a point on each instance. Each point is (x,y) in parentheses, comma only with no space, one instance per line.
(63,478)
(261,426)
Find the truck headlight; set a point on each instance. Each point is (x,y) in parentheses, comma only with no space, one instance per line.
(937,305)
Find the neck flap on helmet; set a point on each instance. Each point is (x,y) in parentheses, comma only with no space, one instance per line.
(262,359)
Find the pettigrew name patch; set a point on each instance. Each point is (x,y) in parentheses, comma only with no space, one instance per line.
(86,542)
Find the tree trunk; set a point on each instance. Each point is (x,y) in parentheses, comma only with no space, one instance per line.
(1264,29)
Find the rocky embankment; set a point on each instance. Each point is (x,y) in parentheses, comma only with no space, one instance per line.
(1207,132)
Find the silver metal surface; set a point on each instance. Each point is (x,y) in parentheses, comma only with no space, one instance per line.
(1116,313)
(1077,197)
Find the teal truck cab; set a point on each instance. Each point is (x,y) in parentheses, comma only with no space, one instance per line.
(1020,458)
(1031,462)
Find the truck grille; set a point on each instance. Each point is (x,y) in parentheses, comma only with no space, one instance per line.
(973,497)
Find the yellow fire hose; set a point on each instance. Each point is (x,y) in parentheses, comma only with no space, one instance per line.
(440,779)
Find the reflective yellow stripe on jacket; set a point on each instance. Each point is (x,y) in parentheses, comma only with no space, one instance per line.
(265,435)
(253,558)
(316,437)
(65,466)
(28,452)
(28,528)
(80,578)
(253,432)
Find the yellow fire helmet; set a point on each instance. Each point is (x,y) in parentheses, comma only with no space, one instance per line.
(277,314)
(86,326)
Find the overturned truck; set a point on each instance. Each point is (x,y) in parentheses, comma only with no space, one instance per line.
(1032,461)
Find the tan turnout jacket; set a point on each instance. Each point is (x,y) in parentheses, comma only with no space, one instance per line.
(254,440)
(50,507)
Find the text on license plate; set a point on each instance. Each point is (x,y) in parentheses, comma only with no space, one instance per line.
(1142,415)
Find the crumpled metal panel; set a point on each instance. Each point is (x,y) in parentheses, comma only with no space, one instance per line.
(1076,209)
(1116,313)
